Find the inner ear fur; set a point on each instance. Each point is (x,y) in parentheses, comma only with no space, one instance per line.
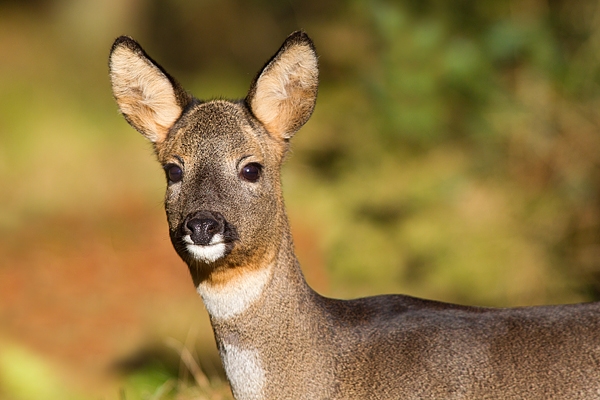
(283,95)
(147,96)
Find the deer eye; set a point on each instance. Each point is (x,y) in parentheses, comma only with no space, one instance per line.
(174,173)
(251,172)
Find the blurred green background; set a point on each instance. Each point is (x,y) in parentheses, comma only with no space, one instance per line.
(454,154)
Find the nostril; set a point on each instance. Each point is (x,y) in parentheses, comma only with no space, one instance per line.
(210,226)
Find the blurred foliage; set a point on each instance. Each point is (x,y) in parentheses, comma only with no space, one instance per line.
(20,367)
(486,112)
(453,153)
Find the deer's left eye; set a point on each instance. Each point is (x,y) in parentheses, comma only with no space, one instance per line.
(174,173)
(251,172)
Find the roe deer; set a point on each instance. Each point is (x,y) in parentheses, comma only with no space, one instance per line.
(277,338)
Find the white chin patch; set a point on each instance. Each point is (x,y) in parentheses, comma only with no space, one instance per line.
(209,253)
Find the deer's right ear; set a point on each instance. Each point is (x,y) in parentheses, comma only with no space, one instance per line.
(149,98)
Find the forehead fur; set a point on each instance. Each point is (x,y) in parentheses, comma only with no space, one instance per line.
(218,125)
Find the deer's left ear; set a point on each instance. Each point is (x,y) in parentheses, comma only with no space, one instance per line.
(283,95)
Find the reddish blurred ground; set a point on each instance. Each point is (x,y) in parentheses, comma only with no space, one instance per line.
(87,291)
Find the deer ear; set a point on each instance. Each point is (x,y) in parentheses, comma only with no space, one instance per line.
(149,99)
(283,95)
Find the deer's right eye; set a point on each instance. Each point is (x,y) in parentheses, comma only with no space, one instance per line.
(174,173)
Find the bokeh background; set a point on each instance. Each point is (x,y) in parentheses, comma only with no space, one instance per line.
(454,154)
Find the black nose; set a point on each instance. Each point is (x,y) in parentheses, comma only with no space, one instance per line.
(203,226)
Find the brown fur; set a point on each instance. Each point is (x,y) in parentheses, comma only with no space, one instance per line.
(279,339)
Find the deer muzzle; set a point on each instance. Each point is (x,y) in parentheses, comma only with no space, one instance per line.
(207,235)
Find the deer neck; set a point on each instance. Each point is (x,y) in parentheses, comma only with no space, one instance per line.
(262,318)
(278,277)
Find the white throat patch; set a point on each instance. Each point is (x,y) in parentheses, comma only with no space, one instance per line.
(227,301)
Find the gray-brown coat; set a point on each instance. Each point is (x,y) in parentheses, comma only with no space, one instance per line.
(278,339)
